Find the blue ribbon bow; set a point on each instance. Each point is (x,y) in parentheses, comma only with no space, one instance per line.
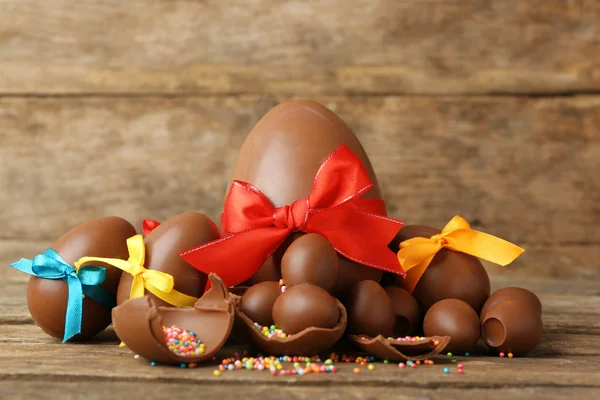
(86,280)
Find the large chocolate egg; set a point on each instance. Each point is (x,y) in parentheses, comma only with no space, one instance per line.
(305,306)
(450,275)
(512,293)
(310,259)
(370,310)
(163,246)
(512,326)
(283,153)
(257,303)
(406,309)
(454,318)
(47,298)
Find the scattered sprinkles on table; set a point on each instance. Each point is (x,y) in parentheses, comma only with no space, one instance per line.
(302,365)
(182,342)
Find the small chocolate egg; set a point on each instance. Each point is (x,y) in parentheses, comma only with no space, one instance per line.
(406,309)
(454,318)
(47,298)
(370,310)
(450,275)
(257,303)
(512,326)
(512,293)
(310,259)
(305,306)
(163,246)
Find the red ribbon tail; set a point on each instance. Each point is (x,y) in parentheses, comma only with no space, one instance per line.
(359,236)
(236,257)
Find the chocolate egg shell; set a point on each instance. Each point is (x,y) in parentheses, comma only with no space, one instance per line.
(139,324)
(163,246)
(512,326)
(310,259)
(450,275)
(304,306)
(512,293)
(454,318)
(283,153)
(305,343)
(257,302)
(406,309)
(370,310)
(47,298)
(401,350)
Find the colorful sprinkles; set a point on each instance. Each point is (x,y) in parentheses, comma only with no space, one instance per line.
(183,343)
(271,331)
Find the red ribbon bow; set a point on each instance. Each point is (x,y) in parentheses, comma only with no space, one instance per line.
(357,228)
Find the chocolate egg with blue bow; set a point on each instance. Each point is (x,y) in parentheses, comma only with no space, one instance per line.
(163,245)
(47,298)
(281,157)
(450,275)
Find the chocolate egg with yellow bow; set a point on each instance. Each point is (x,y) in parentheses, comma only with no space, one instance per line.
(450,275)
(48,293)
(162,247)
(301,169)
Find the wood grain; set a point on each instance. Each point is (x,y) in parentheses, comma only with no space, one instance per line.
(520,168)
(105,360)
(267,46)
(41,389)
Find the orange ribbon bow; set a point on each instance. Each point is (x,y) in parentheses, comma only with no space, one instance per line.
(416,254)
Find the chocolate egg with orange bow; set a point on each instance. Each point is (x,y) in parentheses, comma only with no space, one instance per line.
(300,170)
(442,264)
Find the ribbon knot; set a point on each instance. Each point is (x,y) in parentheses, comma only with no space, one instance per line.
(416,253)
(253,228)
(291,217)
(80,281)
(156,282)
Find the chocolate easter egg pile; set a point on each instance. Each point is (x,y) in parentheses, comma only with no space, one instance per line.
(304,243)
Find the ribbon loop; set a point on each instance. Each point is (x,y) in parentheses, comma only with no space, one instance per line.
(253,228)
(50,265)
(416,254)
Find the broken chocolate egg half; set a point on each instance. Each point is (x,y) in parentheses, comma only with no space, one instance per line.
(401,349)
(306,340)
(152,331)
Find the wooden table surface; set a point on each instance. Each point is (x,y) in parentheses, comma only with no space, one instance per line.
(486,109)
(566,364)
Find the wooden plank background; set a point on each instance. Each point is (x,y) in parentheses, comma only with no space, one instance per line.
(486,109)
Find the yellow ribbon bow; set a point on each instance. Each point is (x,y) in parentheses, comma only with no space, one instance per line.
(416,254)
(158,283)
